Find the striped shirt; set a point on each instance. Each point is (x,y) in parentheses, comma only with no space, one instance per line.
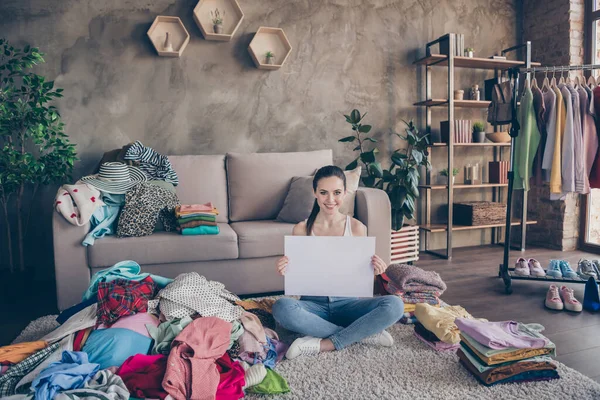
(155,165)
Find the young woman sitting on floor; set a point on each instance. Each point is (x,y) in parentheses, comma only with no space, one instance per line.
(332,323)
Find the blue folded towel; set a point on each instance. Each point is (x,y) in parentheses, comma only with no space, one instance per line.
(591,297)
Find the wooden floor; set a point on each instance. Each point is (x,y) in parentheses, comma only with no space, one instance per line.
(472,280)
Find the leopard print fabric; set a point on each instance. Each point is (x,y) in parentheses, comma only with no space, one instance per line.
(144,205)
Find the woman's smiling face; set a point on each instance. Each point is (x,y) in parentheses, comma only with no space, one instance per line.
(330,194)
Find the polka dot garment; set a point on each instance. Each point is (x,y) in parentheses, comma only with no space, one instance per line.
(192,293)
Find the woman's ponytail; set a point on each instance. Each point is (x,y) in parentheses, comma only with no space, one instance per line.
(311,218)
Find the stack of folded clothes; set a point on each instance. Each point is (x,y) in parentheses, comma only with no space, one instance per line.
(505,352)
(197,219)
(413,285)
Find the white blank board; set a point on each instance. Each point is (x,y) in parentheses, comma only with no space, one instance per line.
(329,266)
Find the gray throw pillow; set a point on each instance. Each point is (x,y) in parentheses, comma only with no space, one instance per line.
(298,202)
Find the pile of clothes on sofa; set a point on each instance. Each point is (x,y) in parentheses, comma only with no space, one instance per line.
(131,195)
(138,335)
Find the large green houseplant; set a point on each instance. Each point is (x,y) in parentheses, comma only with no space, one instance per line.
(35,150)
(401,180)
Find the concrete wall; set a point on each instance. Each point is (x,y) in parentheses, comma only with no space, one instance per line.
(346,54)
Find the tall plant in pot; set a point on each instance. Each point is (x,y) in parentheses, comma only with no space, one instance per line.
(373,168)
(35,150)
(401,180)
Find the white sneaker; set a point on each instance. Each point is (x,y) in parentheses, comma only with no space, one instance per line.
(305,346)
(382,338)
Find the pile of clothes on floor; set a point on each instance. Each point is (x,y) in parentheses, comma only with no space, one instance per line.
(506,352)
(138,335)
(435,326)
(414,286)
(197,219)
(132,195)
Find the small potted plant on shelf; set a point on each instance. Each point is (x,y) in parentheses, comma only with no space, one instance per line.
(469,52)
(478,132)
(270,57)
(217,20)
(444,172)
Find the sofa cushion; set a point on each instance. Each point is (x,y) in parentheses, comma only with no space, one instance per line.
(261,238)
(164,248)
(298,202)
(202,179)
(259,182)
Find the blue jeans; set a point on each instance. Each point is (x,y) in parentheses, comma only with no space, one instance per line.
(344,320)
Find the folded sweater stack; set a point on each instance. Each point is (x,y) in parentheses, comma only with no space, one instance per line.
(413,285)
(505,352)
(197,219)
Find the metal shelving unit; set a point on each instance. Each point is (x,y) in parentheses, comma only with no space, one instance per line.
(450,62)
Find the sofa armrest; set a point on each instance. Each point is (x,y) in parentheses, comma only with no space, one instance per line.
(70,261)
(374,210)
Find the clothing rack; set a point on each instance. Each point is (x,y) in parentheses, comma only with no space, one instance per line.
(514,73)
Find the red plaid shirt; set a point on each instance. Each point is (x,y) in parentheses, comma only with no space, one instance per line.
(123,297)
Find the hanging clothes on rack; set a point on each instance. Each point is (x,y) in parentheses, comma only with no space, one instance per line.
(589,137)
(595,172)
(550,122)
(527,143)
(539,108)
(572,143)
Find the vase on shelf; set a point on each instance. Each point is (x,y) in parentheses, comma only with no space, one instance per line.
(478,136)
(168,46)
(218,28)
(474,94)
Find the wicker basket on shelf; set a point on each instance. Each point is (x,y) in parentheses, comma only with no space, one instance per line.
(475,213)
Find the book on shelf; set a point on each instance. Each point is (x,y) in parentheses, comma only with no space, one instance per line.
(459,45)
(497,57)
(462,131)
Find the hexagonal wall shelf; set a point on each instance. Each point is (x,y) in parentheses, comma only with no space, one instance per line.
(273,40)
(232,18)
(178,36)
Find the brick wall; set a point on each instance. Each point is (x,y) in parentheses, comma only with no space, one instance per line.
(555,28)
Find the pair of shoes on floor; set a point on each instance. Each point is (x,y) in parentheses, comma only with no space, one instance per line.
(591,298)
(561,269)
(310,346)
(529,267)
(563,298)
(588,269)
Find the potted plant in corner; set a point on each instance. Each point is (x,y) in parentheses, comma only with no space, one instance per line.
(270,57)
(217,20)
(444,172)
(400,181)
(35,150)
(478,132)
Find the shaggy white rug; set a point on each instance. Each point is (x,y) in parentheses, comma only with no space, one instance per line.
(408,370)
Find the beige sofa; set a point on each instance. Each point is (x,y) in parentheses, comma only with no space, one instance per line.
(249,191)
